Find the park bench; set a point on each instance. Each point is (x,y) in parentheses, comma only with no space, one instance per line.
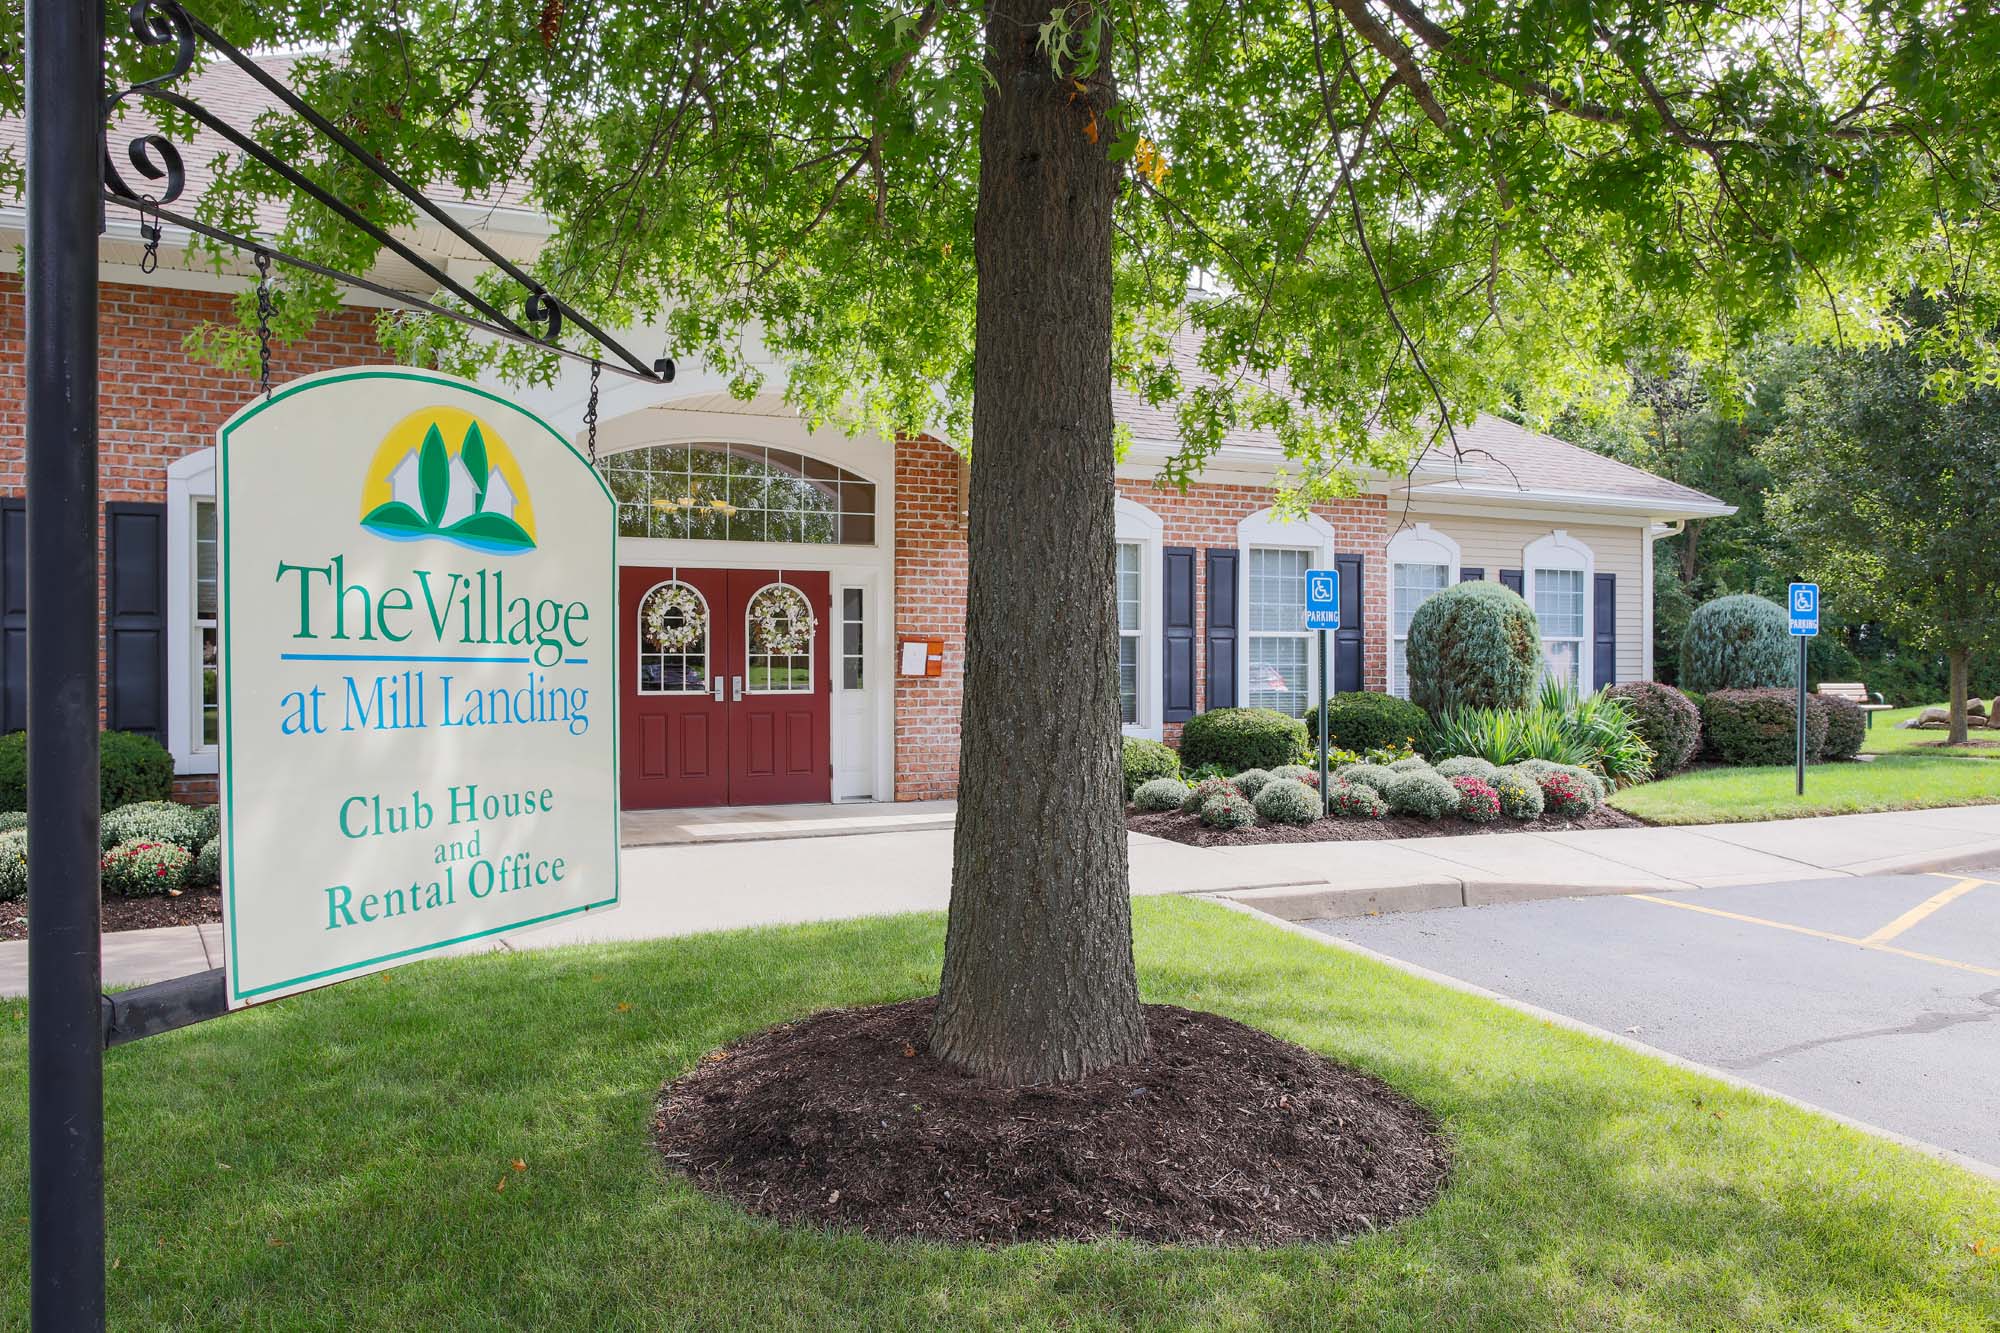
(1855,693)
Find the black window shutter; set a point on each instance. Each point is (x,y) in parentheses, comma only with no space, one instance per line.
(1511,578)
(1223,604)
(135,618)
(1605,630)
(1352,634)
(1470,574)
(1177,633)
(13,614)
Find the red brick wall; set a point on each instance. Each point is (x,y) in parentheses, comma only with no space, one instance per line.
(930,590)
(155,404)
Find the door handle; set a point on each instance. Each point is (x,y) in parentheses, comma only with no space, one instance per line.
(736,689)
(718,689)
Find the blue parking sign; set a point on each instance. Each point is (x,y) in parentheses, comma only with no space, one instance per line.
(1803,603)
(1322,599)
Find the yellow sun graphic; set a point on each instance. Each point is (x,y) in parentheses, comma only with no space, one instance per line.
(445,473)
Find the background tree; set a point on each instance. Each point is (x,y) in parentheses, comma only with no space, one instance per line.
(1406,210)
(1891,496)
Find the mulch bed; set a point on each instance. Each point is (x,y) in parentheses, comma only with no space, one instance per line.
(194,907)
(1222,1135)
(1189,829)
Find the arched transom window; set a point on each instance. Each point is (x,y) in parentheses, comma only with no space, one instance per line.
(778,630)
(673,640)
(739,493)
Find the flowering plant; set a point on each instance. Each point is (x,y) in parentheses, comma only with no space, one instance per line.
(145,868)
(1477,801)
(1564,797)
(1353,800)
(676,618)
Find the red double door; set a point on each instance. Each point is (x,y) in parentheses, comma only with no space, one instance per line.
(712,715)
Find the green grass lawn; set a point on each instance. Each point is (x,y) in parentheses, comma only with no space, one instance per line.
(1885,737)
(335,1161)
(1894,782)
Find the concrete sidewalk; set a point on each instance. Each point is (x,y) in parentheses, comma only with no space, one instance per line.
(685,887)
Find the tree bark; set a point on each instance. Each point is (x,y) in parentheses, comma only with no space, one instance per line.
(1038,982)
(1961,677)
(1690,534)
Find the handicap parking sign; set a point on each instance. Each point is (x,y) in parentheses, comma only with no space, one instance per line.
(1804,605)
(1322,599)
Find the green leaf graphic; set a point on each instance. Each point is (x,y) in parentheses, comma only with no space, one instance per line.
(472,453)
(395,518)
(491,532)
(433,476)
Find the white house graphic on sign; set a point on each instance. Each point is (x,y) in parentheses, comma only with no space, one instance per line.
(463,499)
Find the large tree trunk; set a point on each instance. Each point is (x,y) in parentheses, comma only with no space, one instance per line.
(1690,566)
(1961,676)
(1038,983)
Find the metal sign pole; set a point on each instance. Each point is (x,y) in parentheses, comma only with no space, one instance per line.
(1324,744)
(65,1023)
(1802,717)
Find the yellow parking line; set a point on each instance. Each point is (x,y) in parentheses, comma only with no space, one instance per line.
(1820,935)
(1922,910)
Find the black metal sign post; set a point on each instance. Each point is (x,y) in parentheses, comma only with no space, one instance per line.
(65,1023)
(1801,782)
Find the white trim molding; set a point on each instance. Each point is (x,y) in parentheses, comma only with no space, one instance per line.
(190,480)
(1560,551)
(1266,530)
(1419,544)
(1140,526)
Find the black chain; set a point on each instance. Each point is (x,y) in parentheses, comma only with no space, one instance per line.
(590,413)
(149,229)
(265,309)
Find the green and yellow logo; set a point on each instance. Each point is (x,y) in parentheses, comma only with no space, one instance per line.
(472,494)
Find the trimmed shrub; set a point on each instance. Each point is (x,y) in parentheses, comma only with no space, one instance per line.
(1520,794)
(211,821)
(1202,792)
(1846,729)
(1251,781)
(1473,645)
(1370,775)
(1666,718)
(130,767)
(1595,784)
(1761,726)
(1424,795)
(1228,811)
(13,865)
(1287,801)
(1145,760)
(205,872)
(1416,763)
(13,819)
(1477,801)
(1361,720)
(1355,800)
(1160,795)
(1567,796)
(154,821)
(1240,738)
(145,868)
(1738,643)
(1467,766)
(1298,773)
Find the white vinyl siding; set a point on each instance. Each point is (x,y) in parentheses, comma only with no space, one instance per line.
(1280,668)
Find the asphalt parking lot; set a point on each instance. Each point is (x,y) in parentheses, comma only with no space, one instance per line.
(1878,998)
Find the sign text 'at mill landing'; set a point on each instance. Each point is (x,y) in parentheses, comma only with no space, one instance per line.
(419,656)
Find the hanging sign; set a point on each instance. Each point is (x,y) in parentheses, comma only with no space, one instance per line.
(418,648)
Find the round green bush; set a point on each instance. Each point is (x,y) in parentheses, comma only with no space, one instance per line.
(211,821)
(1363,720)
(1160,795)
(1287,801)
(1473,645)
(1202,792)
(154,821)
(1737,643)
(1761,726)
(206,870)
(1145,760)
(1369,775)
(1846,729)
(1240,738)
(1478,803)
(1298,773)
(1355,800)
(1520,794)
(1228,811)
(1416,763)
(130,767)
(13,865)
(13,819)
(1595,784)
(1467,766)
(1424,795)
(145,868)
(1567,796)
(1251,781)
(1666,719)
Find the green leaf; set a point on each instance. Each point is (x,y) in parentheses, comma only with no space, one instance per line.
(472,453)
(491,532)
(433,476)
(396,519)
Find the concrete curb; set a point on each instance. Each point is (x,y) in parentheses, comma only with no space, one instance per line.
(1949,1157)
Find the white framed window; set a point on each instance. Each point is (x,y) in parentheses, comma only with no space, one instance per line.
(193,614)
(853,649)
(779,636)
(1422,561)
(1276,664)
(1557,571)
(1137,581)
(673,631)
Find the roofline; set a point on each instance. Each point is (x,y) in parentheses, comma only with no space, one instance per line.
(1654,506)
